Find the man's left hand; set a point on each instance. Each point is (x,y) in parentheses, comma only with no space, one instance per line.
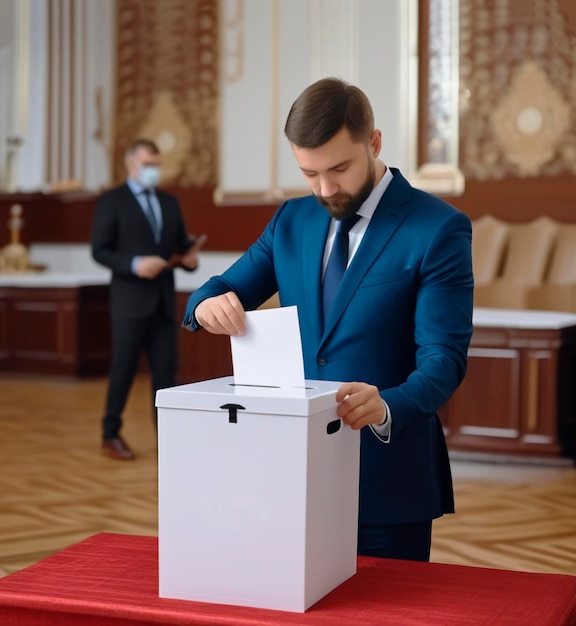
(189,259)
(360,404)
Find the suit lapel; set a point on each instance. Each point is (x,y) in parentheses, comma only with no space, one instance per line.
(315,232)
(140,213)
(389,214)
(162,204)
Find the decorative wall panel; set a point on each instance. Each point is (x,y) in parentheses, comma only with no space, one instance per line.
(518,89)
(167,85)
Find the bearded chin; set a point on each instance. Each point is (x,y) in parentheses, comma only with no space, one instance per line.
(341,209)
(347,205)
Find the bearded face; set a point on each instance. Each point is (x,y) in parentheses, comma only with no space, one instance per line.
(345,204)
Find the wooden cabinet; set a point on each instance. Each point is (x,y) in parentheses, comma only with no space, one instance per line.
(58,330)
(55,330)
(519,394)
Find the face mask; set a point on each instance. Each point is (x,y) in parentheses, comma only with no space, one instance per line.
(149,176)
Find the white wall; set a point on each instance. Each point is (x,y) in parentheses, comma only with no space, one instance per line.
(277,48)
(7,102)
(77,111)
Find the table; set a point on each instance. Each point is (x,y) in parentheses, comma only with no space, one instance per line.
(112,580)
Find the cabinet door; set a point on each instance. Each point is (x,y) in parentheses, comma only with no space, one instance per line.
(484,413)
(4,330)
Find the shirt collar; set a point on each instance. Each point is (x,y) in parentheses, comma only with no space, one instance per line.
(369,206)
(135,187)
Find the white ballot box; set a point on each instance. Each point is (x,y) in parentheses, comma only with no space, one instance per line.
(258,494)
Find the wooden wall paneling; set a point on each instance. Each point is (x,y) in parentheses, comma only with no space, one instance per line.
(229,228)
(520,200)
(67,218)
(50,218)
(201,355)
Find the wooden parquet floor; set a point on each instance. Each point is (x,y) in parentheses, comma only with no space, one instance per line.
(56,489)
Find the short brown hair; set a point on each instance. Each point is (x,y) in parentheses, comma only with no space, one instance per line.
(147,144)
(323,108)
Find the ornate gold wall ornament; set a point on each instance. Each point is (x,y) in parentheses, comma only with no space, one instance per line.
(530,119)
(167,85)
(167,128)
(496,38)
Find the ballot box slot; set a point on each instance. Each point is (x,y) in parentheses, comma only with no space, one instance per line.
(265,386)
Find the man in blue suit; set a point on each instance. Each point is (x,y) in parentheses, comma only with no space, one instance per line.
(398,328)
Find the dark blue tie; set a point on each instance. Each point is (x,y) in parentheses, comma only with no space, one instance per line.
(337,262)
(151,216)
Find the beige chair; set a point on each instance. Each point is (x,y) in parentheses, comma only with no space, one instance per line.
(526,261)
(489,238)
(558,293)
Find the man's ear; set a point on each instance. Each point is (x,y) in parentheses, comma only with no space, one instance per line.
(375,142)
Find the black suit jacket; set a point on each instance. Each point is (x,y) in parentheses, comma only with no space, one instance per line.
(120,232)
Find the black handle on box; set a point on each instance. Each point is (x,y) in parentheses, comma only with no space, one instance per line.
(233,412)
(333,427)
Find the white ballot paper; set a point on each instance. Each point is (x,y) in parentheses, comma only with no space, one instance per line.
(270,353)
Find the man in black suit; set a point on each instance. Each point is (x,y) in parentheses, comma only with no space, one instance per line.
(140,234)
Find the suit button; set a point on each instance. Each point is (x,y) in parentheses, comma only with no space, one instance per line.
(322,361)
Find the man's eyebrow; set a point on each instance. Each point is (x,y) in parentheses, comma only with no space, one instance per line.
(342,164)
(333,167)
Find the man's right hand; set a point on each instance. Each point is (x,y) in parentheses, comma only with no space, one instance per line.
(221,315)
(150,266)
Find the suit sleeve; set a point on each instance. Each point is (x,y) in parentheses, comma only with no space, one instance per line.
(442,324)
(251,277)
(104,238)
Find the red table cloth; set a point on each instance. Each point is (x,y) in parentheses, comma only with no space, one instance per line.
(112,580)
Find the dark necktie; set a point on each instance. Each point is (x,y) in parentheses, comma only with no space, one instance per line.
(337,262)
(151,216)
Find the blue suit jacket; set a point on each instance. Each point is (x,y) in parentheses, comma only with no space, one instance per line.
(402,320)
